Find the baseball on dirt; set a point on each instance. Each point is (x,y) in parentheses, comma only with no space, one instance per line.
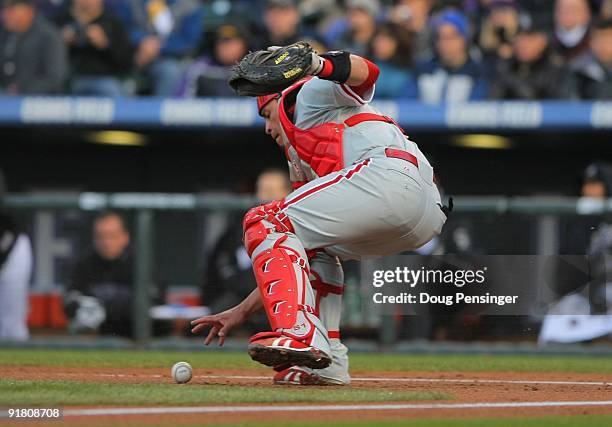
(182,372)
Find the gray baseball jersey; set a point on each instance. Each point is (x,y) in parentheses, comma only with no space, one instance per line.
(376,205)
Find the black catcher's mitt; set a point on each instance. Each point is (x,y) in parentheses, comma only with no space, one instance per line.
(270,71)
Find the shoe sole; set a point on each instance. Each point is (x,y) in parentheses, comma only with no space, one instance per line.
(271,356)
(332,381)
(304,380)
(314,379)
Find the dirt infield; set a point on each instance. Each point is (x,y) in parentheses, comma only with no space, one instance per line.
(518,391)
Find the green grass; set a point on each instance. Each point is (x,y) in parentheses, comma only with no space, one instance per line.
(125,358)
(481,363)
(64,393)
(359,362)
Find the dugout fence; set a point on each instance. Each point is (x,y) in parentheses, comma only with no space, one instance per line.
(164,224)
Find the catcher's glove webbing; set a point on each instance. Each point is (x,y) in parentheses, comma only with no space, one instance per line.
(274,69)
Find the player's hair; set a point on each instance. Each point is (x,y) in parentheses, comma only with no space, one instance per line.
(109,214)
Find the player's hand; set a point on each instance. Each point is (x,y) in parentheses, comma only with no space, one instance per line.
(97,36)
(220,324)
(147,51)
(316,64)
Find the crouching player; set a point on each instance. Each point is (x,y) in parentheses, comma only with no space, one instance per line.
(362,188)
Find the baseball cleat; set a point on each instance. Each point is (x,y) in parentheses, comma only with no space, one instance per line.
(338,372)
(301,375)
(273,349)
(297,375)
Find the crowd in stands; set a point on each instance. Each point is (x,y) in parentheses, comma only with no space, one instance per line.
(430,50)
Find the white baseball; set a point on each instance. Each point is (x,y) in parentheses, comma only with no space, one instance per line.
(182,372)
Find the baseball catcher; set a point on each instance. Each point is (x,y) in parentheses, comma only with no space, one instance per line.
(361,188)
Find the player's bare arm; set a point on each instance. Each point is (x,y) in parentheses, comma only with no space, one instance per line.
(221,323)
(360,71)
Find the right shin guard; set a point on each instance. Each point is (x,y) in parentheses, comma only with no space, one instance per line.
(327,280)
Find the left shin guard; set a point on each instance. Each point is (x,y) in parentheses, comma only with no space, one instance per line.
(282,274)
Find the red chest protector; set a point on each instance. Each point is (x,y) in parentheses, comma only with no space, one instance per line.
(320,146)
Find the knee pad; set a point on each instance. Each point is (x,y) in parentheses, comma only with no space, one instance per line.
(263,220)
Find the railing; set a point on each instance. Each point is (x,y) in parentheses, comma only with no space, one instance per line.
(187,201)
(146,205)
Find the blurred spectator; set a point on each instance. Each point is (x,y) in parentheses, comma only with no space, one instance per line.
(391,50)
(107,275)
(15,272)
(354,32)
(317,15)
(498,29)
(229,276)
(575,232)
(272,184)
(539,9)
(165,33)
(592,75)
(32,55)
(606,9)
(533,71)
(590,235)
(453,75)
(414,16)
(282,23)
(208,75)
(572,19)
(99,48)
(597,181)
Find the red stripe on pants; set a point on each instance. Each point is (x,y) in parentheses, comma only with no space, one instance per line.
(324,185)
